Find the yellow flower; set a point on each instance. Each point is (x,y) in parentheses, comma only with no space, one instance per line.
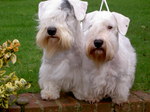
(16,49)
(2,90)
(7,55)
(10,87)
(9,84)
(18,83)
(14,78)
(28,85)
(1,63)
(4,44)
(5,104)
(13,58)
(23,81)
(2,72)
(16,43)
(3,51)
(10,47)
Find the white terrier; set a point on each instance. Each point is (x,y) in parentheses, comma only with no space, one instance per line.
(59,36)
(109,59)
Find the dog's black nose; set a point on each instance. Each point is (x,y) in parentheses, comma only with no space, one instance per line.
(98,43)
(51,31)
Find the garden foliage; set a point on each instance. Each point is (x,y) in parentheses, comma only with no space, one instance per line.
(10,84)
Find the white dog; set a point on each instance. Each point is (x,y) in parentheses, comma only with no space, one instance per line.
(109,59)
(59,36)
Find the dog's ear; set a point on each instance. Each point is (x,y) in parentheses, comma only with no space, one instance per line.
(41,9)
(88,20)
(123,22)
(80,8)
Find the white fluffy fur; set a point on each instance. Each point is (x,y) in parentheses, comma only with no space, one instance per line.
(61,62)
(67,63)
(114,76)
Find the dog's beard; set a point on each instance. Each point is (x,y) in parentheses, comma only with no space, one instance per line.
(100,55)
(52,44)
(97,55)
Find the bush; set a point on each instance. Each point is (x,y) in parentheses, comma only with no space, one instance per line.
(9,84)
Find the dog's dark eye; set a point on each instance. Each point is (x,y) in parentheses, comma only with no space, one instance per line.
(109,27)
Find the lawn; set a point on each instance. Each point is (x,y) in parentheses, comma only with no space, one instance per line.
(18,20)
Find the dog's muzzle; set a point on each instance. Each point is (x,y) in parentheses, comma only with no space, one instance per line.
(98,46)
(51,31)
(98,43)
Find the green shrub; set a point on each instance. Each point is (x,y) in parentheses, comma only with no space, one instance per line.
(9,84)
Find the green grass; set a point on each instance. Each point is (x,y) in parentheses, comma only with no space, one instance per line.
(17,20)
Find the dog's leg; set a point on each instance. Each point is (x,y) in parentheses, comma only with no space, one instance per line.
(50,90)
(121,93)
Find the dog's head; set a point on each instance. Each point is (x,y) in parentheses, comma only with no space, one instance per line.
(102,30)
(58,21)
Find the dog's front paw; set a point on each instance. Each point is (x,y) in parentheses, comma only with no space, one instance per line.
(49,95)
(92,101)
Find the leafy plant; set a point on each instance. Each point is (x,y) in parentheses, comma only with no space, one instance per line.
(9,84)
